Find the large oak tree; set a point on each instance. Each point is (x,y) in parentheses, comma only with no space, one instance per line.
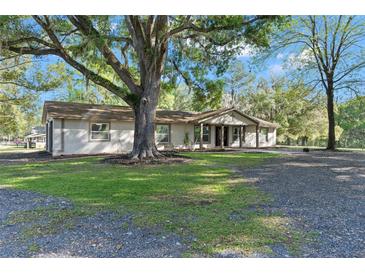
(133,56)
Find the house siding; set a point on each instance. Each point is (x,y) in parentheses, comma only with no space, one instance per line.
(178,132)
(250,140)
(57,138)
(76,139)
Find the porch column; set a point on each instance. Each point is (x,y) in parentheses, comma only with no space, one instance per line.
(201,136)
(222,136)
(241,135)
(257,137)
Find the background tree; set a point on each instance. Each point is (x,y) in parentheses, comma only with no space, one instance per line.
(77,88)
(210,97)
(238,81)
(351,118)
(130,56)
(294,106)
(333,48)
(179,98)
(21,83)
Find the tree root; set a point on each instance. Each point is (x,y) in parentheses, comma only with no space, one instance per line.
(127,159)
(149,154)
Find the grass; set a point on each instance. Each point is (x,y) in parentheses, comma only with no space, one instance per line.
(15,149)
(318,147)
(34,248)
(203,198)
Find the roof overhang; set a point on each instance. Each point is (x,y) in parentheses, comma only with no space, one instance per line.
(35,135)
(228,111)
(77,111)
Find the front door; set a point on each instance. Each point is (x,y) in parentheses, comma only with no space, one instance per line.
(218,136)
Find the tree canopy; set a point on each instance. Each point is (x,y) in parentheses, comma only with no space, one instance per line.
(185,63)
(133,56)
(351,118)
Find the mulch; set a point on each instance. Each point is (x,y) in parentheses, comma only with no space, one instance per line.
(166,158)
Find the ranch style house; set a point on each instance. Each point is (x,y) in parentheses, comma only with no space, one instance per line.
(75,128)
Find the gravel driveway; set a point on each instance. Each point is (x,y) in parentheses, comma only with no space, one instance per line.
(324,193)
(102,235)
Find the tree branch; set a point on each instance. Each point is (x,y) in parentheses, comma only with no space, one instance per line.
(85,26)
(96,78)
(16,65)
(188,25)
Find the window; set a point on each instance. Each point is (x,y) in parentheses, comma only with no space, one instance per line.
(100,132)
(162,133)
(235,134)
(264,132)
(206,134)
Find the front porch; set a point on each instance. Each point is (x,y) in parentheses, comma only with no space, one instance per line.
(233,129)
(208,136)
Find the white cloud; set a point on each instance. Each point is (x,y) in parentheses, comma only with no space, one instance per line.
(276,69)
(280,56)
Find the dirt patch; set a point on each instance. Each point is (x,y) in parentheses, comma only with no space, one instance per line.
(167,158)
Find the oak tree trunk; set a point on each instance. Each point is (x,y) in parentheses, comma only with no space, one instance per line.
(151,48)
(331,143)
(144,145)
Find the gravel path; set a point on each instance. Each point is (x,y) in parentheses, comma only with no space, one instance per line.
(324,193)
(102,235)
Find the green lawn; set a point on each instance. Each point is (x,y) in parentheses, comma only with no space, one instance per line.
(316,147)
(203,198)
(11,148)
(16,149)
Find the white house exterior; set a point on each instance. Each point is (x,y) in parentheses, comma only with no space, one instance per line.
(37,137)
(74,128)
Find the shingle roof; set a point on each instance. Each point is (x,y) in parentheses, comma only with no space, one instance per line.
(264,123)
(82,111)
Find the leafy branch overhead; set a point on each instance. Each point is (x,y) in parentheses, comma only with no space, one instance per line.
(131,46)
(133,56)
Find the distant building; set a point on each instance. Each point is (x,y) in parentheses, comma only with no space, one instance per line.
(36,138)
